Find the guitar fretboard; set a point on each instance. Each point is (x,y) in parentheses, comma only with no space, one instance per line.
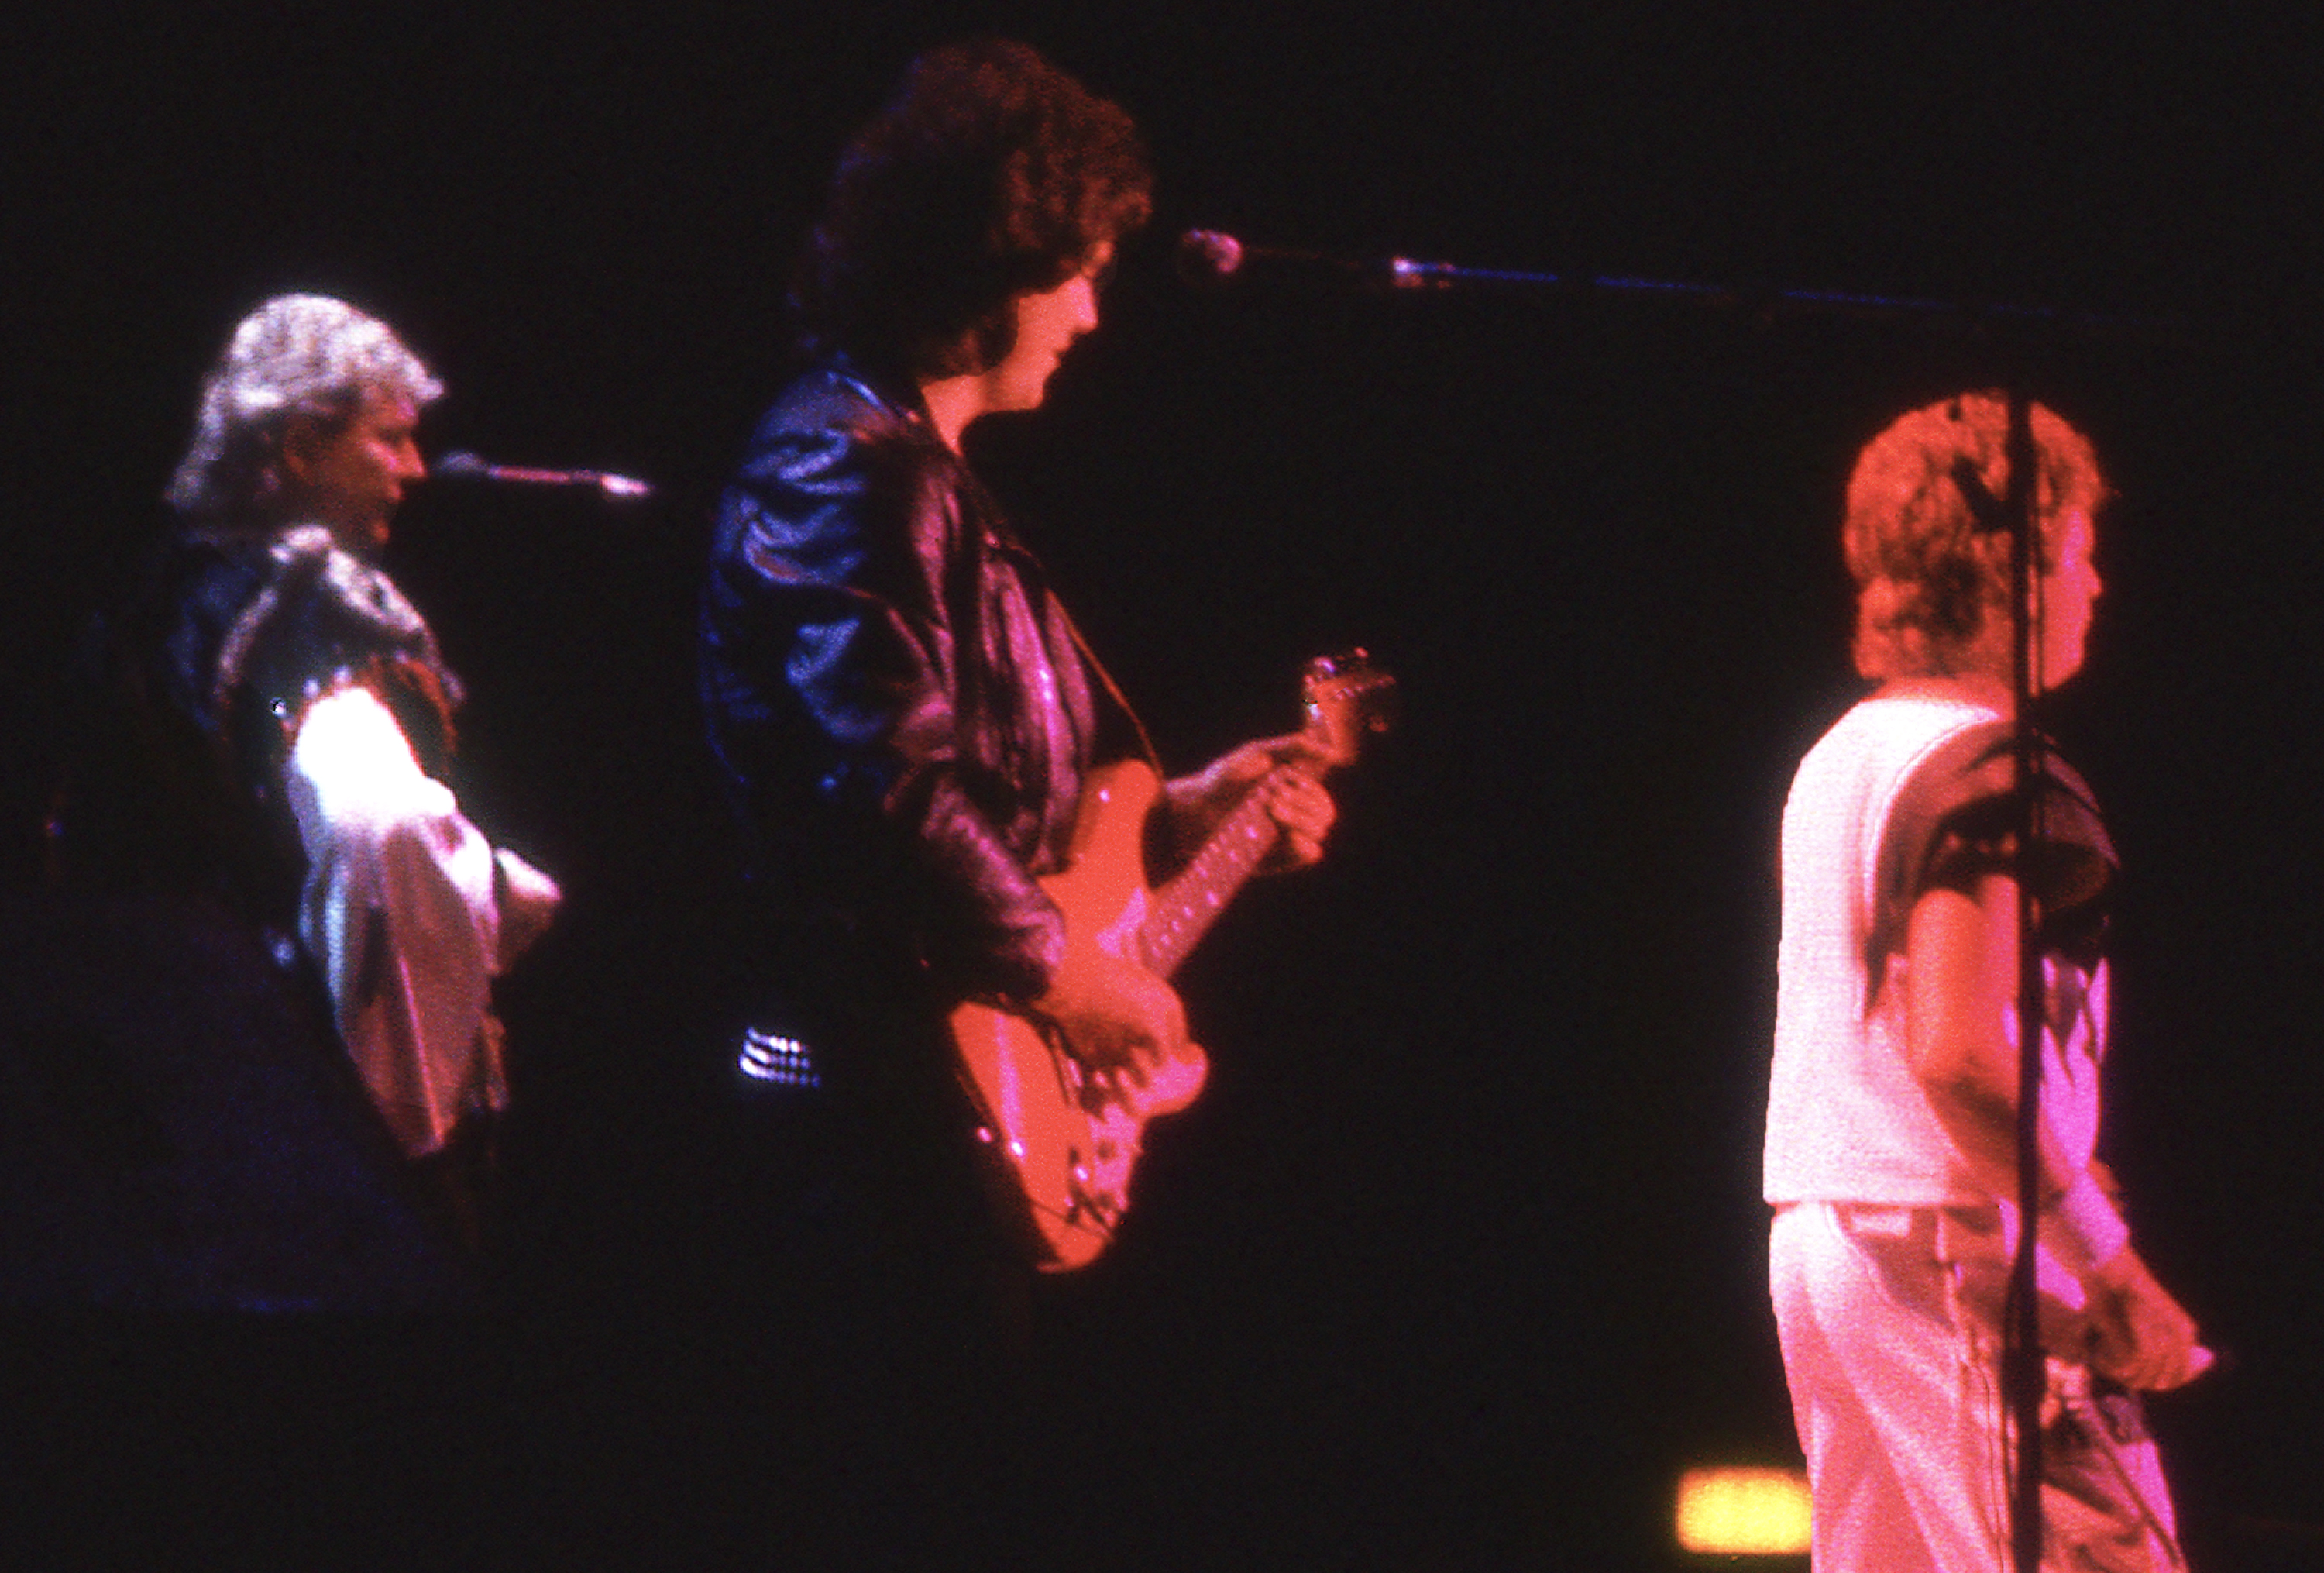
(1181,912)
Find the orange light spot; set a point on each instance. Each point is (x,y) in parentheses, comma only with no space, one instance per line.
(1731,1511)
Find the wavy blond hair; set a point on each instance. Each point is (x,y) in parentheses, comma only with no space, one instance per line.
(1922,533)
(295,355)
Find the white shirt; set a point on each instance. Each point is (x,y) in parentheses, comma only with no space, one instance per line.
(399,909)
(1847,1120)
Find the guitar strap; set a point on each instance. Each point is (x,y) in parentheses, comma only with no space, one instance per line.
(1145,743)
(1008,540)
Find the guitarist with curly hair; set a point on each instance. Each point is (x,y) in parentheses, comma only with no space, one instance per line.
(907,720)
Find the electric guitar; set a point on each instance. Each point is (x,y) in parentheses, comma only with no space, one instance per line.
(1072,1139)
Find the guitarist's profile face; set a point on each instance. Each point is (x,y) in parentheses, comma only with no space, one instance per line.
(1048,323)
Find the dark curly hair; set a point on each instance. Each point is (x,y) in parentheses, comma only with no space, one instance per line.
(1931,575)
(989,175)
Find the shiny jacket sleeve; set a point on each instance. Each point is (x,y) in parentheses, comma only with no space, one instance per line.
(832,676)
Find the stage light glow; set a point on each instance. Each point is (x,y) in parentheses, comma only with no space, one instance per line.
(1743,1512)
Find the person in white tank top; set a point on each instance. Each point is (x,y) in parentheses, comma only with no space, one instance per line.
(1891,1144)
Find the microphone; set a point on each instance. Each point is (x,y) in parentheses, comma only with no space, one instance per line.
(1209,259)
(1206,257)
(463,466)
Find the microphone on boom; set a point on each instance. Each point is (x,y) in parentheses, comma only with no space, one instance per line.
(1208,258)
(463,466)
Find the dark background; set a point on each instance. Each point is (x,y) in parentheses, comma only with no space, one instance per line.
(1459,1261)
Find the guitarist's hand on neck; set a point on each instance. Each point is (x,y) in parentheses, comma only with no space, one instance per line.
(1117,1019)
(1282,773)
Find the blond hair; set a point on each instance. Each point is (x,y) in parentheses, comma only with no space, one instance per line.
(296,355)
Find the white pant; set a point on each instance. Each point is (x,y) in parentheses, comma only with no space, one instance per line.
(1891,1326)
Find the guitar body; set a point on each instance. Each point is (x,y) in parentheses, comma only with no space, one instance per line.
(1072,1141)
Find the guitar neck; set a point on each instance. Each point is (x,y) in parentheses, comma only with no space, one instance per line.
(1179,913)
(1345,697)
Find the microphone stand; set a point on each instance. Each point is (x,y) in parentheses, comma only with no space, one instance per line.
(1210,260)
(2024,1373)
(2024,1370)
(2024,1366)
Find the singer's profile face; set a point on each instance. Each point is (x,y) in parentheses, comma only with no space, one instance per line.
(351,479)
(1049,322)
(2070,594)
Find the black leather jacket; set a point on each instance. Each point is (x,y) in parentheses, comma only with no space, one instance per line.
(902,712)
(200,676)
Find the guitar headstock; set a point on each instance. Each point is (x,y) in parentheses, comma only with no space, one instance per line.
(1347,699)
